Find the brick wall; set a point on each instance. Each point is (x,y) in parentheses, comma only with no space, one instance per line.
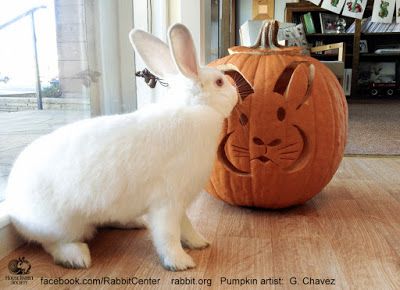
(71,46)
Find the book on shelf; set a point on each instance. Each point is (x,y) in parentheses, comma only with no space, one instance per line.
(308,23)
(347,81)
(388,51)
(351,28)
(368,26)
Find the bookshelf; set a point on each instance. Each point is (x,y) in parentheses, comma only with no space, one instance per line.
(354,56)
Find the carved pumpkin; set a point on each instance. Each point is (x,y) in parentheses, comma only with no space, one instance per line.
(284,142)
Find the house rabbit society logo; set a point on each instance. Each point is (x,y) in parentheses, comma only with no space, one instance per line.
(19,269)
(20,266)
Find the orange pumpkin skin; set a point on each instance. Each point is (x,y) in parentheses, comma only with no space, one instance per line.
(285,147)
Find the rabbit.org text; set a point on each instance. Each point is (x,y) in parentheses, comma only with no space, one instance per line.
(191,281)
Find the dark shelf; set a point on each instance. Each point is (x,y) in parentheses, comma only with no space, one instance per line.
(371,34)
(380,33)
(383,55)
(318,55)
(330,35)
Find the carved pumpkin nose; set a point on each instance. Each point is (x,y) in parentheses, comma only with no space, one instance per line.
(260,142)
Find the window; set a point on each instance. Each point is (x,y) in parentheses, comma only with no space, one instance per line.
(61,61)
(39,85)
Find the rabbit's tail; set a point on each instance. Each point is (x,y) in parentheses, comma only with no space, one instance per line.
(49,230)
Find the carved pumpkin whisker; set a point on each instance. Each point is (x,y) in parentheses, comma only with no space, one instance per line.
(241,155)
(287,158)
(242,152)
(239,147)
(286,147)
(288,152)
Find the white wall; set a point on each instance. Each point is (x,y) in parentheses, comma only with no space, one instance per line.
(193,13)
(243,11)
(244,8)
(280,10)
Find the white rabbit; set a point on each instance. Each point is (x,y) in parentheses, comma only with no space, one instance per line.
(115,169)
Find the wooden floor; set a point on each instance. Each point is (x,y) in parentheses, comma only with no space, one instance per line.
(350,233)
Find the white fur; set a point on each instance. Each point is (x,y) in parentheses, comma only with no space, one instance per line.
(115,169)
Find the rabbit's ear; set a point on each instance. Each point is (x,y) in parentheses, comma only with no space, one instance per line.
(183,51)
(154,52)
(289,89)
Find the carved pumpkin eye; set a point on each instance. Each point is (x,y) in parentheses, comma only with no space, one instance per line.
(243,119)
(258,141)
(219,82)
(281,114)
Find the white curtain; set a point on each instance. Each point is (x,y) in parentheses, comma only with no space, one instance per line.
(151,16)
(111,65)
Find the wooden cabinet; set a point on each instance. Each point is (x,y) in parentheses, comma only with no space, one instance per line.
(353,55)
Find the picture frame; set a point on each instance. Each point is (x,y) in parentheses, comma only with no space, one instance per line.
(363,46)
(328,22)
(263,9)
(377,72)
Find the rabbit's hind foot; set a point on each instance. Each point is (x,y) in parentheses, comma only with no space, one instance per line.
(70,255)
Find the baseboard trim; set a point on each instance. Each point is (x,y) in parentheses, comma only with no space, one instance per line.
(9,240)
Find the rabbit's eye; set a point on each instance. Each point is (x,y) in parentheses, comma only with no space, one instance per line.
(281,114)
(219,82)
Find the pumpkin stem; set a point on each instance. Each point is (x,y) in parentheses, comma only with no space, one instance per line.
(268,35)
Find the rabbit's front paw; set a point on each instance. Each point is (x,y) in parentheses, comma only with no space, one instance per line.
(195,242)
(190,238)
(177,262)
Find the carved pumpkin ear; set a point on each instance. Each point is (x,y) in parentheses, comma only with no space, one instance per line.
(284,82)
(243,86)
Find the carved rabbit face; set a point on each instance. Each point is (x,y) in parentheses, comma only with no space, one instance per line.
(268,131)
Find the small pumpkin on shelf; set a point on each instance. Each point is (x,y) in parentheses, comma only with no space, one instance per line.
(284,142)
